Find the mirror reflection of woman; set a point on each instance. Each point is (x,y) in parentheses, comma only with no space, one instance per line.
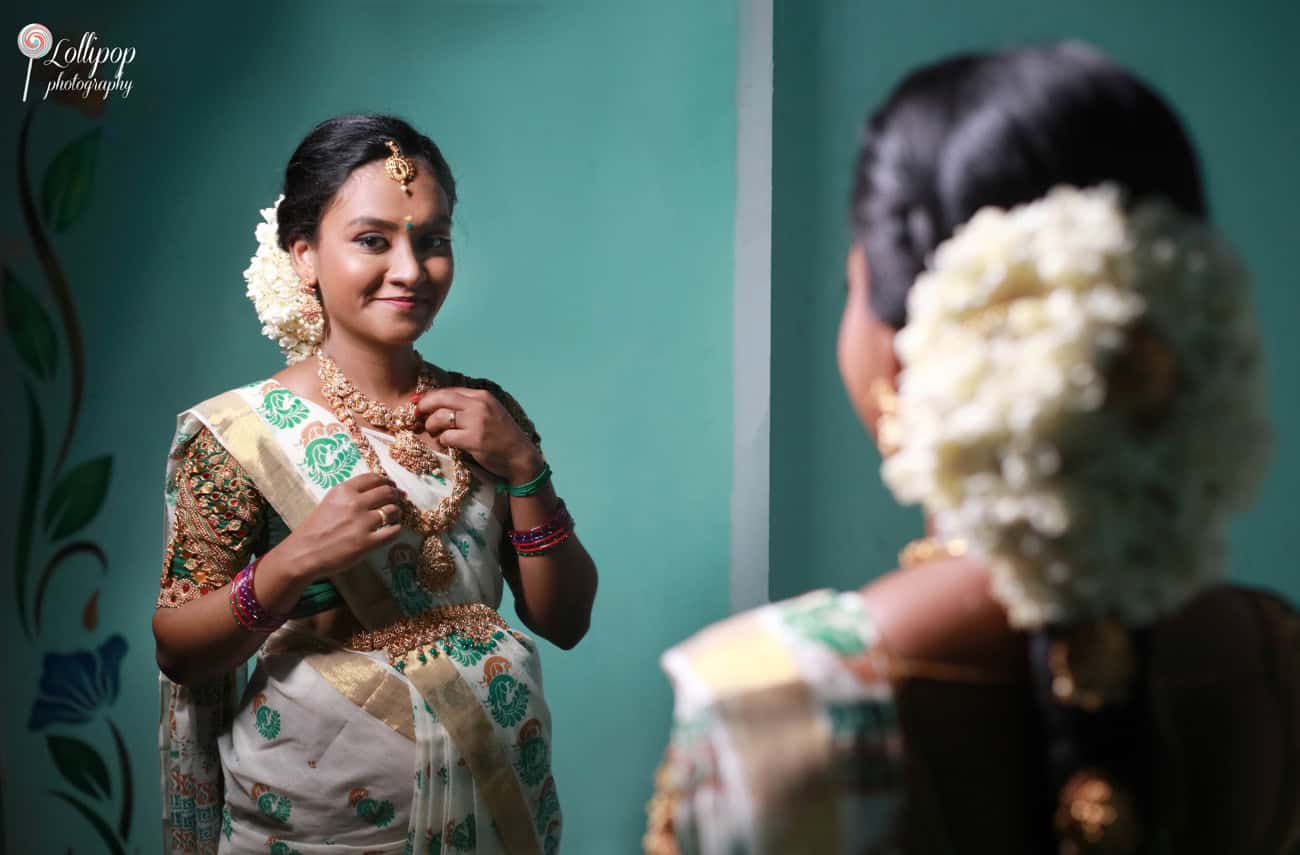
(351,521)
(1055,353)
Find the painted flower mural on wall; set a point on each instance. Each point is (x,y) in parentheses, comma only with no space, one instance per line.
(76,686)
(59,496)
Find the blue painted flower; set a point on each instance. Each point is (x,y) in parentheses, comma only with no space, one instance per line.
(75,685)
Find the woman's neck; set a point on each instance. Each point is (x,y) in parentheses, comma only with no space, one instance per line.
(388,376)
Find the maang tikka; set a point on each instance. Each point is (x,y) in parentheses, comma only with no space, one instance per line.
(399,167)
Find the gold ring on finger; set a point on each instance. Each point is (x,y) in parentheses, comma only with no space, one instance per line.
(383,517)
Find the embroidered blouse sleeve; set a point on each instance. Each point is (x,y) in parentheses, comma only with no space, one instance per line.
(220,521)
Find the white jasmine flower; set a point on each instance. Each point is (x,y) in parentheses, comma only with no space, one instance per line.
(278,296)
(1009,440)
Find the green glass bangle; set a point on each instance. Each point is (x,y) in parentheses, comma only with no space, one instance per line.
(531,487)
(318,597)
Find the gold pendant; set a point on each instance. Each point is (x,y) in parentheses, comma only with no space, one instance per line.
(436,568)
(413,455)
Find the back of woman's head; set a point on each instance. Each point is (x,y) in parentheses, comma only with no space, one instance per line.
(1000,130)
(1080,395)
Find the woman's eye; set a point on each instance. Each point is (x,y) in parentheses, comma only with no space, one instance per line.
(372,241)
(437,242)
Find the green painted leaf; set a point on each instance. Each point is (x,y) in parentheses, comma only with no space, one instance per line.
(79,765)
(78,497)
(114,846)
(29,327)
(68,181)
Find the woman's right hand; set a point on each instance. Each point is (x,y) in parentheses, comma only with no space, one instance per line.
(201,639)
(345,526)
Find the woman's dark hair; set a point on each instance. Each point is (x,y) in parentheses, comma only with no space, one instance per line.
(328,155)
(1002,129)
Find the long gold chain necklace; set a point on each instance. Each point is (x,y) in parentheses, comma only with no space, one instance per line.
(436,568)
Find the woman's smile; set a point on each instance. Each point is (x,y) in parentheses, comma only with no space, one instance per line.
(407,303)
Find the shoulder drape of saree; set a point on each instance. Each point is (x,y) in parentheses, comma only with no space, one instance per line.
(782,736)
(746,726)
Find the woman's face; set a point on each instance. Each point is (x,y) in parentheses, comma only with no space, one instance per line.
(381,281)
(866,346)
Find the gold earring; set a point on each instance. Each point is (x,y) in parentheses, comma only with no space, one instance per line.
(311,306)
(889,434)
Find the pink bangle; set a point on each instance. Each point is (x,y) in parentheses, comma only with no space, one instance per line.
(545,537)
(248,612)
(545,546)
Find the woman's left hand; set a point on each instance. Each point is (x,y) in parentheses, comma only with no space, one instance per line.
(474,421)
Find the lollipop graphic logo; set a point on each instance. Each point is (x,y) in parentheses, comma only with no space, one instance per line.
(34,42)
(76,64)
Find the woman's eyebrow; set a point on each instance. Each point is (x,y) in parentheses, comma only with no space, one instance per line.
(377,222)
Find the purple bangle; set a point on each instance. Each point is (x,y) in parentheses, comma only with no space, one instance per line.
(251,614)
(545,546)
(559,521)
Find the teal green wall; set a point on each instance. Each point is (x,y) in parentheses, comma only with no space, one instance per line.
(594,150)
(1230,69)
(594,147)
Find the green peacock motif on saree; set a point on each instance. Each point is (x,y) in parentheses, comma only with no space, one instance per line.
(507,700)
(267,719)
(283,409)
(377,813)
(828,621)
(273,805)
(329,460)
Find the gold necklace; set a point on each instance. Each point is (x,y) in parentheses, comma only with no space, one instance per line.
(435,568)
(930,549)
(407,451)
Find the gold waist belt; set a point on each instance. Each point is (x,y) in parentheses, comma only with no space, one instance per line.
(477,621)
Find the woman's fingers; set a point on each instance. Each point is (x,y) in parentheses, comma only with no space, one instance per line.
(381,533)
(386,516)
(459,438)
(380,496)
(367,481)
(449,398)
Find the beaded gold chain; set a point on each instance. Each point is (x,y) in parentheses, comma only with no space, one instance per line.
(407,451)
(436,568)
(378,414)
(930,549)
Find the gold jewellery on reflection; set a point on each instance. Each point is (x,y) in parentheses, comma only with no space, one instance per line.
(930,549)
(889,434)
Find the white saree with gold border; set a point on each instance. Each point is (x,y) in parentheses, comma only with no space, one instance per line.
(326,749)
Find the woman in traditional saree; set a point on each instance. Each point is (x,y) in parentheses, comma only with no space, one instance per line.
(1055,353)
(351,520)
